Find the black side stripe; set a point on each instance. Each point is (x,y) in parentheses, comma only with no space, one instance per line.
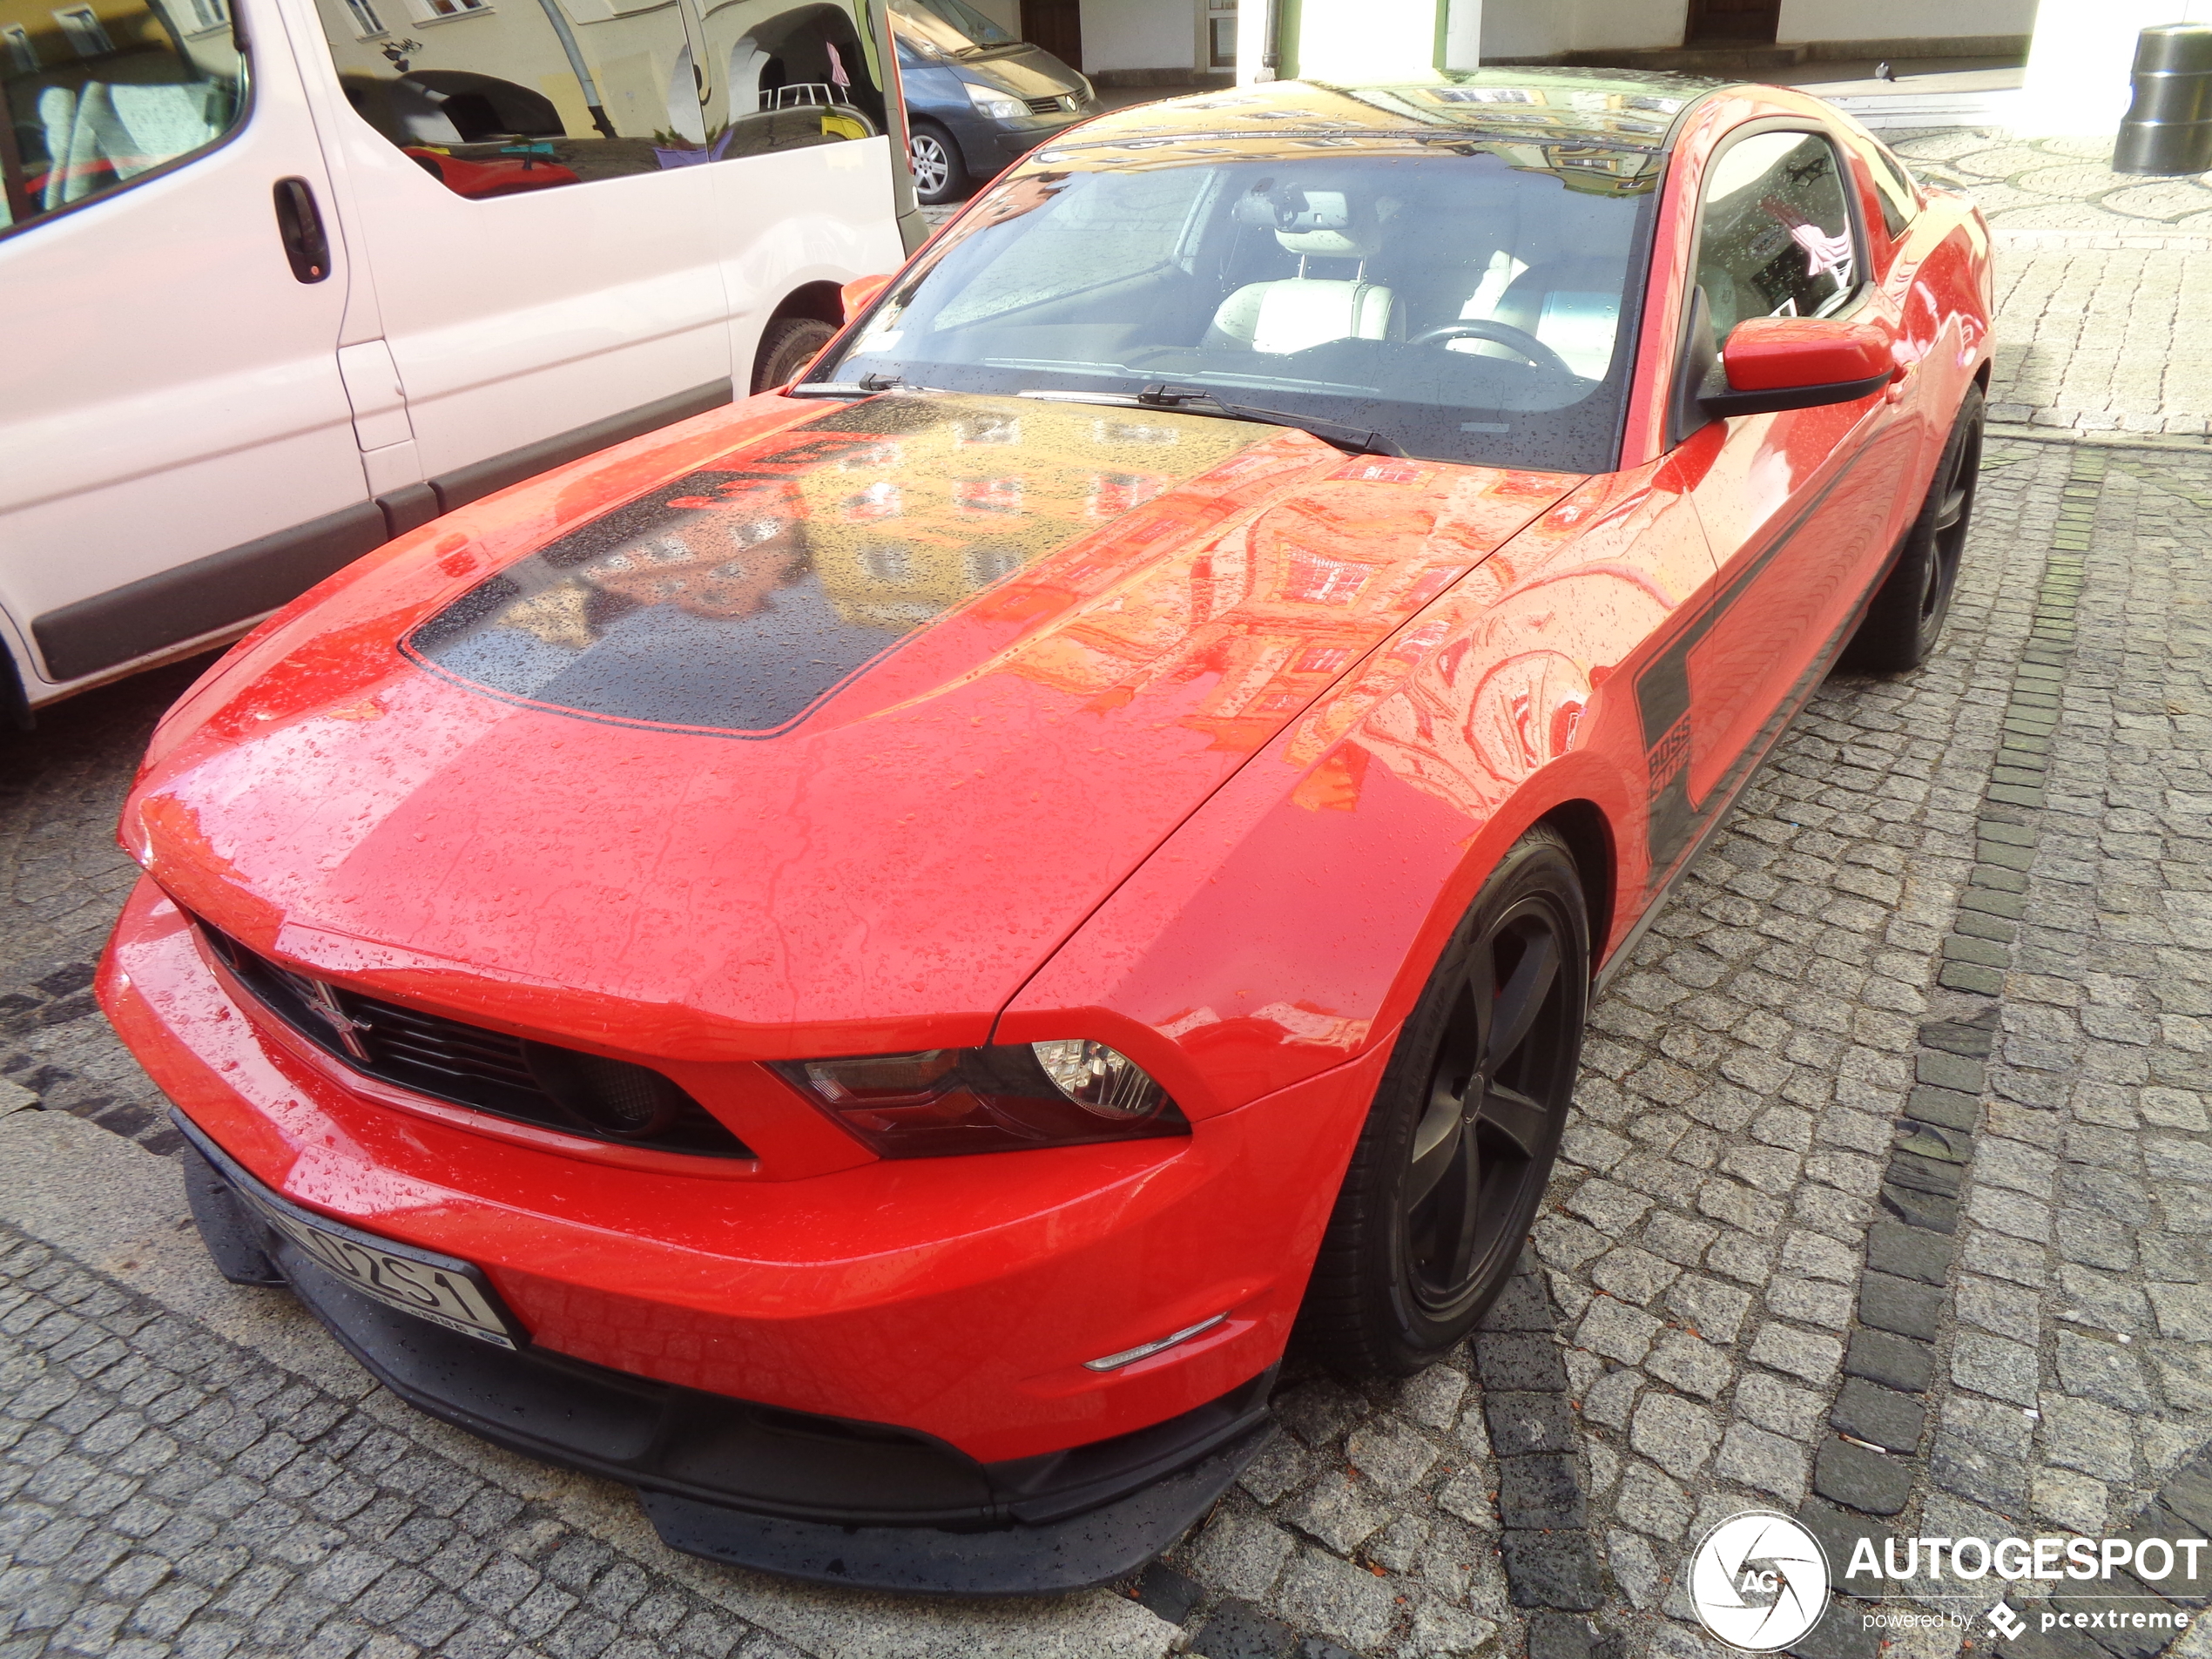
(1663,700)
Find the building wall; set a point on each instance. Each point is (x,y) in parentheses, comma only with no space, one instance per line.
(1139,34)
(1007,14)
(1902,19)
(1541,28)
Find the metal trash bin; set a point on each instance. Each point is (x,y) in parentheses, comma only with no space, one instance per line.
(2169,129)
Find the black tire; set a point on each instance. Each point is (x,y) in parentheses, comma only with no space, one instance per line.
(1906,619)
(1431,1219)
(934,159)
(787,345)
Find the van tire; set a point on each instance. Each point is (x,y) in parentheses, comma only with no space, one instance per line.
(787,345)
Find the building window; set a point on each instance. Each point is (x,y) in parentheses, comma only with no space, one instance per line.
(1221,34)
(207,14)
(433,9)
(365,18)
(20,48)
(85,35)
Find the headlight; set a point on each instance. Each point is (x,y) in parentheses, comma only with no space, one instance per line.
(1000,106)
(944,1101)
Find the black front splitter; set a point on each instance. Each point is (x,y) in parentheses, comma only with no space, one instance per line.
(1088,1549)
(867,1505)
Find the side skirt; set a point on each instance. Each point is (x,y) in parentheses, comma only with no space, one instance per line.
(1746,768)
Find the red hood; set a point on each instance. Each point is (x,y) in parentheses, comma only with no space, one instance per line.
(818,738)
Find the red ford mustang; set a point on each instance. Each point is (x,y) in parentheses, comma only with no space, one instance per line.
(860,963)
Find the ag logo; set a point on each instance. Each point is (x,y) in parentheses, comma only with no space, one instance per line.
(1759,1582)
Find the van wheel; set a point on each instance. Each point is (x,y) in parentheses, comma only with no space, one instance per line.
(1906,619)
(1451,1166)
(940,176)
(787,345)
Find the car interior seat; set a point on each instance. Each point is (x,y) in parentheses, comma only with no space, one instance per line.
(1571,304)
(1294,313)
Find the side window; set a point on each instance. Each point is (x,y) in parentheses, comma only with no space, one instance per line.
(96,95)
(1775,236)
(789,76)
(1893,189)
(496,98)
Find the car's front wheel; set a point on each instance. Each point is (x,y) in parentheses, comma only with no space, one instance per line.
(1906,615)
(940,176)
(1451,1166)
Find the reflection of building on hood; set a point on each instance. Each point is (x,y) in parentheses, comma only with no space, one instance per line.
(716,567)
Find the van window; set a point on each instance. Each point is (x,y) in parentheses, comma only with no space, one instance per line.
(96,95)
(790,76)
(525,95)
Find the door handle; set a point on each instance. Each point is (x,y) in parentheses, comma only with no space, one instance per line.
(299,228)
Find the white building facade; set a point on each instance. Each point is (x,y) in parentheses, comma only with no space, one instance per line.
(1190,42)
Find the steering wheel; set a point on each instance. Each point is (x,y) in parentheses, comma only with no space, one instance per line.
(1503,333)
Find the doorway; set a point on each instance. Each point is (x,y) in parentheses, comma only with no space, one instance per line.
(1740,23)
(1057,25)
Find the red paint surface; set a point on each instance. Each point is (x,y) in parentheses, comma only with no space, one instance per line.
(1211,783)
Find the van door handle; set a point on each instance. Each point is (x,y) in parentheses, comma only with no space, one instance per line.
(300,228)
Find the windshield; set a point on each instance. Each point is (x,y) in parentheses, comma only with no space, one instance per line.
(1460,303)
(947,26)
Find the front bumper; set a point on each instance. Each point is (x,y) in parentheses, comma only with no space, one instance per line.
(885,1348)
(811,1497)
(1017,141)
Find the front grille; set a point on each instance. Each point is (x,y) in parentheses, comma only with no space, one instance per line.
(487,1071)
(1050,105)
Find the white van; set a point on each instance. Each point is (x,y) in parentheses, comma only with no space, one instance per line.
(279,284)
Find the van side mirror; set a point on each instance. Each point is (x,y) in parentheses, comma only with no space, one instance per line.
(860,292)
(1774,363)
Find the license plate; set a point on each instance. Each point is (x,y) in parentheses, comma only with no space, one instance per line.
(445,1293)
(441,1289)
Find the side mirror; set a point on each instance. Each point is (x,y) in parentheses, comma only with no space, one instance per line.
(859,292)
(1774,363)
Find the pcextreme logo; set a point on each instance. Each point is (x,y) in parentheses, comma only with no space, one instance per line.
(1759,1581)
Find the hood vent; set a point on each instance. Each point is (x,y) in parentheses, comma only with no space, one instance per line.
(566,1089)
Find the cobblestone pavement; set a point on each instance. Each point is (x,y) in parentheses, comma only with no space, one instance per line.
(2104,281)
(1941,994)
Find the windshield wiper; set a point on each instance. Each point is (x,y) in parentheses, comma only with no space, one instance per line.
(866,386)
(1196,399)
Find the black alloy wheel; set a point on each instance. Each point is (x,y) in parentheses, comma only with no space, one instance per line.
(1451,1163)
(1906,619)
(934,160)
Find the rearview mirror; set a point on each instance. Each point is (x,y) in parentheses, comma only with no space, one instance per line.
(1774,363)
(860,292)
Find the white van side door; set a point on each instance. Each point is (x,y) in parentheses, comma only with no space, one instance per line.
(522,179)
(179,450)
(807,185)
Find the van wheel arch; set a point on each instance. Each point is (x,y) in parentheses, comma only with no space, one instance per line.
(805,311)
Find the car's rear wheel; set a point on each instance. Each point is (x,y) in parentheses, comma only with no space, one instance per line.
(1906,617)
(939,175)
(1451,1164)
(787,345)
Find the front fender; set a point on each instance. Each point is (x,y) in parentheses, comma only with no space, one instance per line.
(1290,922)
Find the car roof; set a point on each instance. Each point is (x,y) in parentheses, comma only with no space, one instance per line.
(1602,131)
(1560,105)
